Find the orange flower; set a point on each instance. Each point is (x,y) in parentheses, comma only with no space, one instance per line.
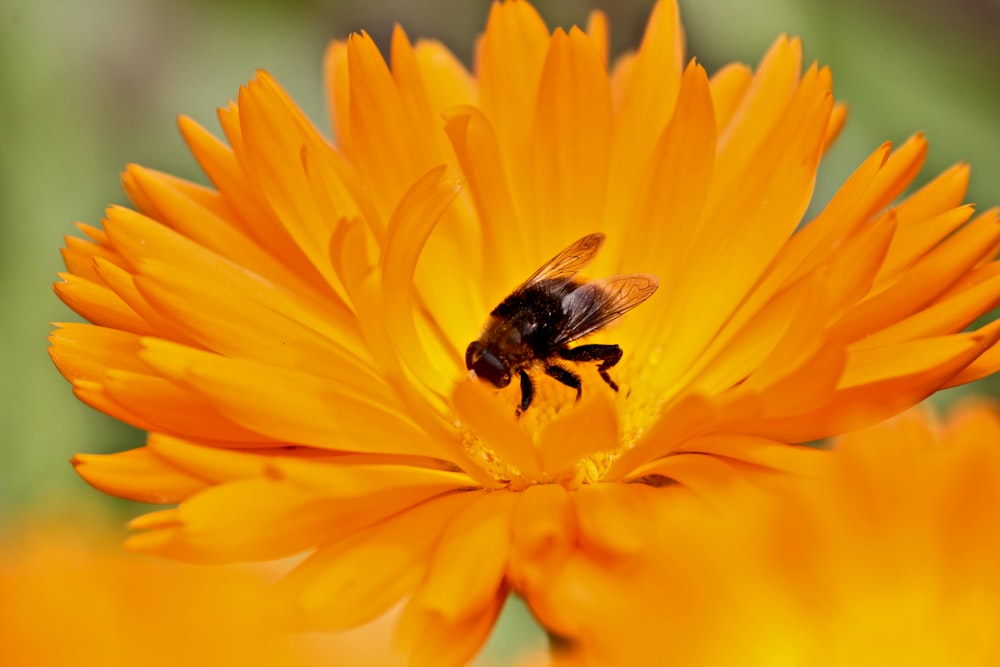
(66,599)
(891,559)
(293,337)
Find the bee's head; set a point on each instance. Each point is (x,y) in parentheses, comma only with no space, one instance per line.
(486,365)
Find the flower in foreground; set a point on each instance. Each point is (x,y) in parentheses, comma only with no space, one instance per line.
(68,596)
(893,558)
(292,337)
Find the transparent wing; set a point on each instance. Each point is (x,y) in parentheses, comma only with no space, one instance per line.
(599,303)
(569,262)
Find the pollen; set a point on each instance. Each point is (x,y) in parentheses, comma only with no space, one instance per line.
(505,474)
(573,444)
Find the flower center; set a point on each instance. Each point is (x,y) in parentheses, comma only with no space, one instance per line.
(554,401)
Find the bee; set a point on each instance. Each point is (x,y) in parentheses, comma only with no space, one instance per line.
(534,325)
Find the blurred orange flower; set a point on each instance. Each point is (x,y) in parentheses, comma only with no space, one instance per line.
(68,596)
(891,559)
(293,336)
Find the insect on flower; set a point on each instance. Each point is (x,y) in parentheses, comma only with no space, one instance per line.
(534,324)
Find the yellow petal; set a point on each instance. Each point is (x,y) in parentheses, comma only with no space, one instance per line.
(494,423)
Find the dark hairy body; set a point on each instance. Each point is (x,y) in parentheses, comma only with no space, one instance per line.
(536,322)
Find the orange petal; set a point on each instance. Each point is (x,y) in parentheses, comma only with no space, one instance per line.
(804,462)
(565,190)
(220,164)
(94,395)
(99,304)
(935,273)
(677,422)
(433,641)
(412,83)
(218,317)
(669,197)
(813,243)
(509,68)
(745,227)
(385,143)
(79,255)
(544,535)
(504,232)
(766,99)
(880,382)
(332,479)
(729,85)
(597,30)
(214,465)
(247,519)
(176,209)
(950,315)
(276,134)
(289,405)
(613,519)
(468,564)
(86,352)
(138,474)
(357,579)
(169,407)
(838,117)
(123,283)
(414,220)
(715,480)
(985,364)
(646,99)
(736,353)
(447,81)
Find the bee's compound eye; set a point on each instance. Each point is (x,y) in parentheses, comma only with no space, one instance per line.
(486,365)
(472,353)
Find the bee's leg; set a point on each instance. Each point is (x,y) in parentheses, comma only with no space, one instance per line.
(608,355)
(568,378)
(527,391)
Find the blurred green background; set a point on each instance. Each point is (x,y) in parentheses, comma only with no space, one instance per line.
(88,86)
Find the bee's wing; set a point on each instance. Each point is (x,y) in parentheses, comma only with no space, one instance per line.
(601,302)
(569,262)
